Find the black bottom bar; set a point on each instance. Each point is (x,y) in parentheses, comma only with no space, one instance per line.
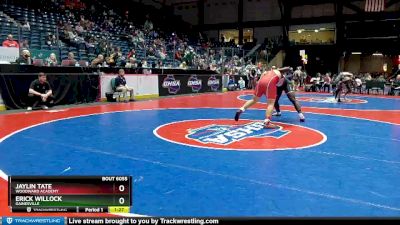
(219,221)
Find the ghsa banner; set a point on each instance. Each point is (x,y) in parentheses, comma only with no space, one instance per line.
(188,84)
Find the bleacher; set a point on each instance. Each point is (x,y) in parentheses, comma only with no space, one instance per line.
(43,22)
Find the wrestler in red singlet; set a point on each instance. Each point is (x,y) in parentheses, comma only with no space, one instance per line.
(265,86)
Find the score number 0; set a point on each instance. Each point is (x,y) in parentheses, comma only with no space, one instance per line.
(121,200)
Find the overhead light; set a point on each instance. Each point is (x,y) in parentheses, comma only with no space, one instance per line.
(316,31)
(322,28)
(299,31)
(377,54)
(356,53)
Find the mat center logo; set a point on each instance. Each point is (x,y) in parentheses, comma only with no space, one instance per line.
(245,135)
(330,100)
(225,134)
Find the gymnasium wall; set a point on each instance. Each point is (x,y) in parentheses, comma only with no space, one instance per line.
(144,85)
(366,63)
(255,10)
(188,11)
(310,11)
(267,32)
(226,11)
(220,11)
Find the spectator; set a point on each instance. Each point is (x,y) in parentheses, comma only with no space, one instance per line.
(144,64)
(232,84)
(148,25)
(98,61)
(25,44)
(183,66)
(395,87)
(131,54)
(132,63)
(381,78)
(114,57)
(25,58)
(120,84)
(327,83)
(71,59)
(51,39)
(26,26)
(9,42)
(242,83)
(368,77)
(40,93)
(358,83)
(52,60)
(79,28)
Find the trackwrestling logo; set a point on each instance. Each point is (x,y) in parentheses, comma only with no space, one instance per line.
(195,83)
(225,134)
(245,135)
(173,85)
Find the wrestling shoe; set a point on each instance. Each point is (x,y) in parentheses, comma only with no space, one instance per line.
(269,125)
(237,115)
(277,114)
(302,118)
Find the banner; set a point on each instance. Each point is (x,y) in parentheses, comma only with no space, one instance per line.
(188,84)
(142,84)
(43,54)
(8,55)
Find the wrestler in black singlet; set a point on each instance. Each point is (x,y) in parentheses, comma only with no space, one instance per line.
(286,87)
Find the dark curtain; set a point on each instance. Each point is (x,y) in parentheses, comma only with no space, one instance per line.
(67,89)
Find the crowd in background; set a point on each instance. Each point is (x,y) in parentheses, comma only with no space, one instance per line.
(89,27)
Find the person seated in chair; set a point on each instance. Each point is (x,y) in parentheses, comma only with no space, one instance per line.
(71,59)
(25,58)
(120,84)
(395,87)
(242,83)
(98,61)
(327,83)
(232,86)
(40,93)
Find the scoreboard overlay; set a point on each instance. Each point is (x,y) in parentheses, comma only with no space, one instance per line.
(90,194)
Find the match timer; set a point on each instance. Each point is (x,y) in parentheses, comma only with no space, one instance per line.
(70,193)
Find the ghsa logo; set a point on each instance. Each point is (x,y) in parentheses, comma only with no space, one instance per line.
(195,83)
(213,83)
(225,134)
(245,135)
(171,84)
(330,100)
